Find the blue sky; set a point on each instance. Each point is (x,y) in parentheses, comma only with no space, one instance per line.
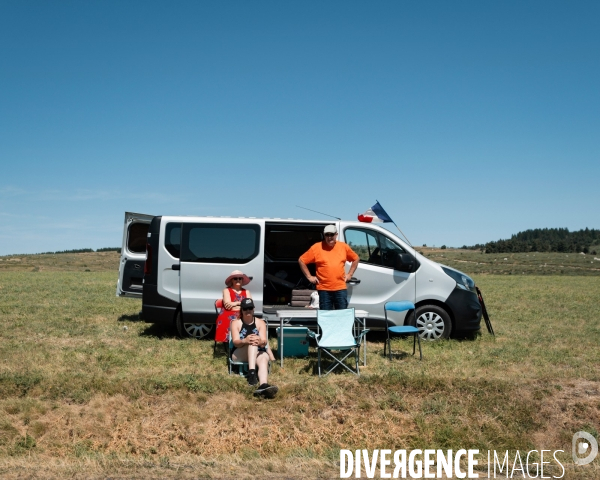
(468,121)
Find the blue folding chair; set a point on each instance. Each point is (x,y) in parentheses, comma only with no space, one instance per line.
(400,330)
(338,334)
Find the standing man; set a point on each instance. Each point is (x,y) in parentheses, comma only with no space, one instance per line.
(330,256)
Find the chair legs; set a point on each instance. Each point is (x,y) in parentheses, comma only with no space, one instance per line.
(337,362)
(388,344)
(319,360)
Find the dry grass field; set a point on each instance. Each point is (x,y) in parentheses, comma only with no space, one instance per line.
(88,391)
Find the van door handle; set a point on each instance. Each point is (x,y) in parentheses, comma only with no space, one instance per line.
(176,266)
(353,281)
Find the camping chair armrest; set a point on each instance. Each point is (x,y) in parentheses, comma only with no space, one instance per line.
(361,335)
(313,335)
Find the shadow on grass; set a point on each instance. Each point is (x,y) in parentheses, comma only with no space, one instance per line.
(159,331)
(467,336)
(130,318)
(312,365)
(378,337)
(220,351)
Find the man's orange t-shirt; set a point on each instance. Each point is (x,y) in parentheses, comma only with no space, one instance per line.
(330,264)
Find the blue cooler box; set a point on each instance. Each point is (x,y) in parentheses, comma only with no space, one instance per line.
(295,341)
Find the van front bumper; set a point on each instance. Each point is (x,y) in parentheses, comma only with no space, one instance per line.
(466,310)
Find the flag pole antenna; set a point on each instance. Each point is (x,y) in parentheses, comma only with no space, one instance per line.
(405,237)
(320,213)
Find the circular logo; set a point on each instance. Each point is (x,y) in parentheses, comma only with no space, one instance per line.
(584,444)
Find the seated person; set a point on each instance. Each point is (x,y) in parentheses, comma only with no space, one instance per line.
(232,298)
(249,335)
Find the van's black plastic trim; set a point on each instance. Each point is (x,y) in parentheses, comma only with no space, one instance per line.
(153,240)
(466,310)
(155,314)
(152,297)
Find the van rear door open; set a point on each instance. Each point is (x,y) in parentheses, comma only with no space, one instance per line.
(133,255)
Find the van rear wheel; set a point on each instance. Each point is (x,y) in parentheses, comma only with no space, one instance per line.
(433,322)
(192,330)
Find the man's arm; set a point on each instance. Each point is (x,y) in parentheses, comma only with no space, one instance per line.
(353,268)
(355,259)
(306,272)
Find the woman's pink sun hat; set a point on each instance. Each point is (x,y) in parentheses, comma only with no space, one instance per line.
(238,273)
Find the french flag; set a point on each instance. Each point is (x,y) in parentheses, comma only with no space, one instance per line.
(375,214)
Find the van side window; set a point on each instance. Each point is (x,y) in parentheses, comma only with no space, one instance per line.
(373,247)
(137,236)
(219,242)
(389,251)
(173,239)
(365,244)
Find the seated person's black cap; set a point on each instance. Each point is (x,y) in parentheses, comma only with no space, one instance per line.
(247,303)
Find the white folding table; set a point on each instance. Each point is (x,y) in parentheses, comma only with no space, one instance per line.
(311,314)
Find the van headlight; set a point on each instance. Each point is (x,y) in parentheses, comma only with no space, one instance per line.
(463,281)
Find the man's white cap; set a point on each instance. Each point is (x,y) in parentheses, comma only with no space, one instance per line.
(330,229)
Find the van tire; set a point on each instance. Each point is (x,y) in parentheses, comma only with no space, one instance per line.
(191,330)
(432,321)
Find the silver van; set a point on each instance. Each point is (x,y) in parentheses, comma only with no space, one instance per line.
(177,265)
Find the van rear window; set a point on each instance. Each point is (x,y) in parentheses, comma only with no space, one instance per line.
(220,242)
(173,239)
(137,237)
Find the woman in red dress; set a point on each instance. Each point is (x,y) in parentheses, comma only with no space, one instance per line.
(232,298)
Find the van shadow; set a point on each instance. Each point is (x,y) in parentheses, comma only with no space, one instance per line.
(159,331)
(130,318)
(380,337)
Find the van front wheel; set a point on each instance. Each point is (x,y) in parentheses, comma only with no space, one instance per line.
(192,330)
(433,322)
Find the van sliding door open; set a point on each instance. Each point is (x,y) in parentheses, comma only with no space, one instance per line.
(285,242)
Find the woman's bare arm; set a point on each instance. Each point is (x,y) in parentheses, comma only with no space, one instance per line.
(236,325)
(262,332)
(227,303)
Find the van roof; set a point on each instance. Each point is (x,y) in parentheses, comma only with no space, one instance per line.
(255,218)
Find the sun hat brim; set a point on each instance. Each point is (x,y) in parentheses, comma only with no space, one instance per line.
(237,273)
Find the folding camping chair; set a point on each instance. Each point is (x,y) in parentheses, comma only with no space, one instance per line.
(218,309)
(400,330)
(241,366)
(338,333)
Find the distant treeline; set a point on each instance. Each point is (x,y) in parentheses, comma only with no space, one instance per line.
(548,240)
(83,250)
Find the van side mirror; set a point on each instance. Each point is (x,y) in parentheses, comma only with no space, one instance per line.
(405,262)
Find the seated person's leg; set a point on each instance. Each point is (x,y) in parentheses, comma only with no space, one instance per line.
(240,354)
(262,361)
(270,353)
(252,352)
